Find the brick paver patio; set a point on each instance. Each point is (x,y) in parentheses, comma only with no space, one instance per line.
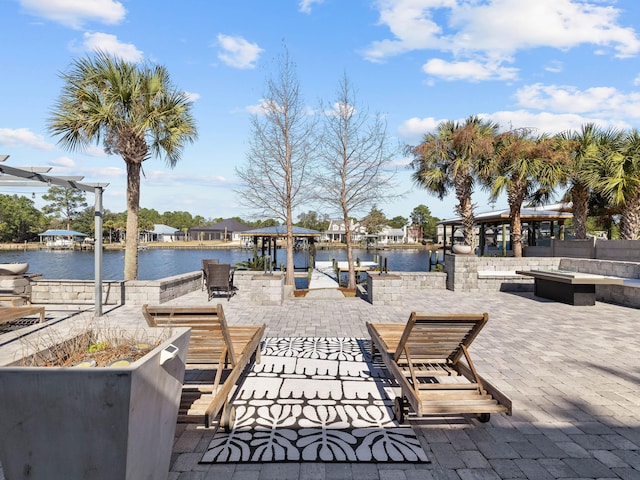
(573,374)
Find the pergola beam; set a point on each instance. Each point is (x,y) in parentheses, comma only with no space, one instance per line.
(33,176)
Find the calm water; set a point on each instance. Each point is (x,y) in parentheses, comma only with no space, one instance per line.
(155,264)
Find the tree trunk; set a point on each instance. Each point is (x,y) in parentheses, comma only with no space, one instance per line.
(580,199)
(516,232)
(630,218)
(289,278)
(133,207)
(351,282)
(468,220)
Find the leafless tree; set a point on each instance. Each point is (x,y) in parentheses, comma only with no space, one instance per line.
(355,162)
(274,180)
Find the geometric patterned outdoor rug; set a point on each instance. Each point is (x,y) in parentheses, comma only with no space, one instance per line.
(315,400)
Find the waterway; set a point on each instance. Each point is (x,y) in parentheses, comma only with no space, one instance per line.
(160,263)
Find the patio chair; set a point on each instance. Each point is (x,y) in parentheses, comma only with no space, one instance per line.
(219,278)
(424,356)
(205,262)
(7,314)
(213,346)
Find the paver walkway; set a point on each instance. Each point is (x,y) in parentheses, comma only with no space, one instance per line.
(573,374)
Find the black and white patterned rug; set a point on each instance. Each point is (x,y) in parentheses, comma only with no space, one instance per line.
(315,400)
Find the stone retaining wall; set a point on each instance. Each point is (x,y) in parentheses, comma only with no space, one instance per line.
(259,288)
(389,289)
(136,292)
(468,272)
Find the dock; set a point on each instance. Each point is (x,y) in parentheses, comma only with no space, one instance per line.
(324,275)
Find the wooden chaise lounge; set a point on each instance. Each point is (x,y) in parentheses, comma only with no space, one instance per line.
(424,356)
(7,314)
(213,346)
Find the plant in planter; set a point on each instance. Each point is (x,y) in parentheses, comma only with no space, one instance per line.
(86,421)
(462,249)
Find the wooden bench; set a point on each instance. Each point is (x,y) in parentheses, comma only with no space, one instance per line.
(213,346)
(8,314)
(15,300)
(573,288)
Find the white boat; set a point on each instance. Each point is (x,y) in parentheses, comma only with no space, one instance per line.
(13,268)
(59,243)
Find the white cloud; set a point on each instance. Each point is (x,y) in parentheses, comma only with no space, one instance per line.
(95,151)
(238,52)
(497,29)
(23,137)
(258,109)
(602,102)
(62,162)
(549,123)
(167,178)
(106,172)
(510,25)
(192,96)
(415,128)
(74,13)
(305,5)
(469,70)
(110,44)
(554,66)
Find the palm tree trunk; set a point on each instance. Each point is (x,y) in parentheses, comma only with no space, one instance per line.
(580,199)
(516,232)
(630,218)
(133,207)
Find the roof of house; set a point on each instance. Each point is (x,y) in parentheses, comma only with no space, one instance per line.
(160,229)
(229,224)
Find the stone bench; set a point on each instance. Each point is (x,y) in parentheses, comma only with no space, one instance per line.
(503,280)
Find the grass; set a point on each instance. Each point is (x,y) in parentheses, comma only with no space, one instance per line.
(90,346)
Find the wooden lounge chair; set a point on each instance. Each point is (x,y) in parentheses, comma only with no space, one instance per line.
(218,278)
(8,314)
(424,356)
(213,346)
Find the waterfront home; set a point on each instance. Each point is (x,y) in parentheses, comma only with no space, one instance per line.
(162,233)
(226,230)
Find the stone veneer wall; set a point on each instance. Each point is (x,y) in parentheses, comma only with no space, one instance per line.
(75,292)
(389,289)
(259,288)
(469,272)
(136,292)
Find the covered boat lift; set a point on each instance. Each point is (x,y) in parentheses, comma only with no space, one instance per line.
(269,236)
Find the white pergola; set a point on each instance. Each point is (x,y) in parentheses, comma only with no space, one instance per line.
(36,177)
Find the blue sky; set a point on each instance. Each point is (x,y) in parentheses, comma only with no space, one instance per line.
(546,64)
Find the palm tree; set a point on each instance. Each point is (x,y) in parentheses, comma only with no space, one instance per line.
(582,150)
(620,179)
(527,167)
(448,159)
(135,112)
